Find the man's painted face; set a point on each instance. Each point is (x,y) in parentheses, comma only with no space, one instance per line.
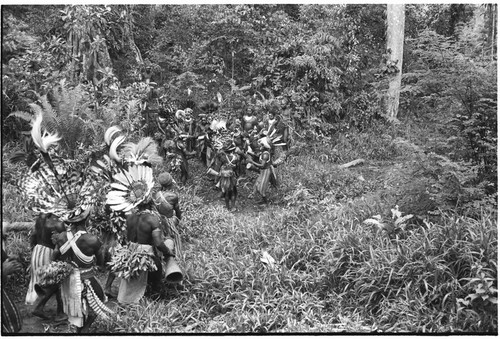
(187,115)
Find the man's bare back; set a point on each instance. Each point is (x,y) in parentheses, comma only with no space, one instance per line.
(88,244)
(140,228)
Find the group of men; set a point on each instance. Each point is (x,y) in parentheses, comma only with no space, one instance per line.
(80,297)
(228,147)
(64,195)
(142,253)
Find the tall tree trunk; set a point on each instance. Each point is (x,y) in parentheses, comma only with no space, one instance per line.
(493,16)
(395,42)
(130,35)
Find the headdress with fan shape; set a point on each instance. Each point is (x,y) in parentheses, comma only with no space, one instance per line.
(271,138)
(221,138)
(110,164)
(131,188)
(144,152)
(131,181)
(54,185)
(218,125)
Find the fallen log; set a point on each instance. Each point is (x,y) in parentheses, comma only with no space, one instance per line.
(17,226)
(352,163)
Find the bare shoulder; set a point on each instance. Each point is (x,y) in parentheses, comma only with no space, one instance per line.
(170,196)
(91,240)
(148,220)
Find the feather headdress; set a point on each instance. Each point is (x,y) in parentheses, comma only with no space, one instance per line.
(54,185)
(129,172)
(217,125)
(110,164)
(271,138)
(43,140)
(130,188)
(144,152)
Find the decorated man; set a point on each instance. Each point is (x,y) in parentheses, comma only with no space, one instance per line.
(203,135)
(66,189)
(82,295)
(41,255)
(275,125)
(133,262)
(176,156)
(186,127)
(266,166)
(250,120)
(225,169)
(131,193)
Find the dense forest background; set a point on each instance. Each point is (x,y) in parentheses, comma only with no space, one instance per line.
(326,67)
(328,70)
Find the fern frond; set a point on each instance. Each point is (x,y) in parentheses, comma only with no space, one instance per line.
(47,107)
(22,115)
(51,124)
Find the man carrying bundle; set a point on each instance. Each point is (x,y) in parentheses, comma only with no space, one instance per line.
(145,238)
(82,294)
(132,193)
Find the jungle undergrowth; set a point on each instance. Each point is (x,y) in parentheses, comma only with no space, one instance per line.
(308,263)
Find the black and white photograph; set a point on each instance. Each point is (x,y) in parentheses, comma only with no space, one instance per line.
(253,168)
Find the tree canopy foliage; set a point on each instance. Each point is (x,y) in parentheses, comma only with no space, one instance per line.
(324,65)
